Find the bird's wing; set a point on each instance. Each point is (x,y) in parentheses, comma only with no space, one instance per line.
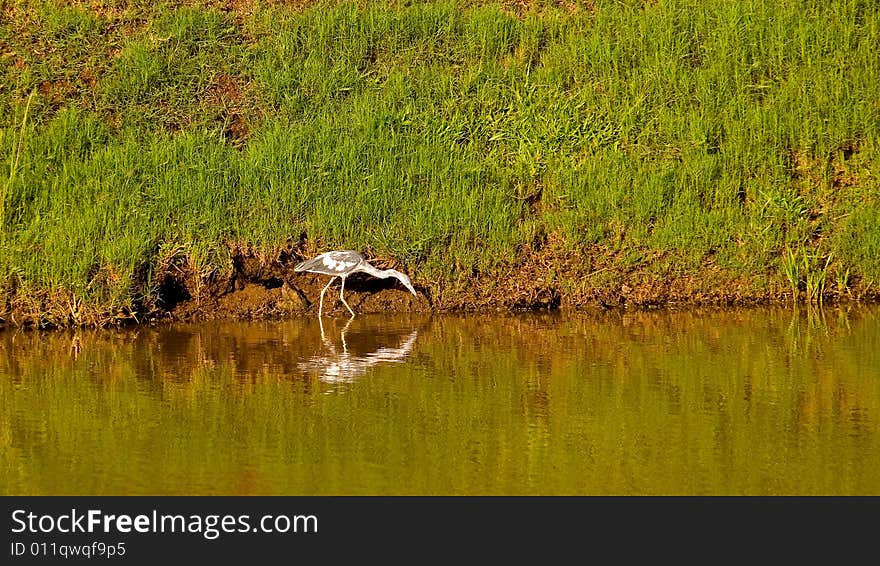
(331,263)
(345,256)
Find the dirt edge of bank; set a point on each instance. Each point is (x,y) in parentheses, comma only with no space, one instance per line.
(262,285)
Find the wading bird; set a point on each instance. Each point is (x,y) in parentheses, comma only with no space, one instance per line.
(342,264)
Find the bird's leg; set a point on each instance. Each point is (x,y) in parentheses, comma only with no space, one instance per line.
(321,324)
(342,335)
(342,290)
(324,290)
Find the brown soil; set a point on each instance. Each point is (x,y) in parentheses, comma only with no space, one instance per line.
(261,285)
(265,286)
(549,277)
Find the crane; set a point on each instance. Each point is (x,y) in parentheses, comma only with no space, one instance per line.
(341,264)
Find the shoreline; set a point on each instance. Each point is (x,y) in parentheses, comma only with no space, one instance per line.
(264,287)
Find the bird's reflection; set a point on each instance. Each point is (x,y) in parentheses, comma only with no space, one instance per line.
(340,366)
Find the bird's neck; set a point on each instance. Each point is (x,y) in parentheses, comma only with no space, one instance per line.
(381,273)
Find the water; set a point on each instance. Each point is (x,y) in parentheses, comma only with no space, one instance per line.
(702,402)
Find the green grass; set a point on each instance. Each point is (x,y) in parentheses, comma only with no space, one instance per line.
(443,135)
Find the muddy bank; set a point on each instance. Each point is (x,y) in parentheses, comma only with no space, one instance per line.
(263,285)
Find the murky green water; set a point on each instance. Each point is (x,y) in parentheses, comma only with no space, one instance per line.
(711,402)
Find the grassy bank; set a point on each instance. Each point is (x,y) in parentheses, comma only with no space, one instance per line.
(594,148)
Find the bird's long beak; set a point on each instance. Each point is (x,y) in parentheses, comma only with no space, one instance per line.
(411,288)
(406,282)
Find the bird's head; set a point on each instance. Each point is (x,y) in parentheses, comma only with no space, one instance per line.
(403,279)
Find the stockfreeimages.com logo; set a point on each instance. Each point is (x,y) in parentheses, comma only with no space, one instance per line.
(209,526)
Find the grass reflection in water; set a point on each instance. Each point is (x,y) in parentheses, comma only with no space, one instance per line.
(746,401)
